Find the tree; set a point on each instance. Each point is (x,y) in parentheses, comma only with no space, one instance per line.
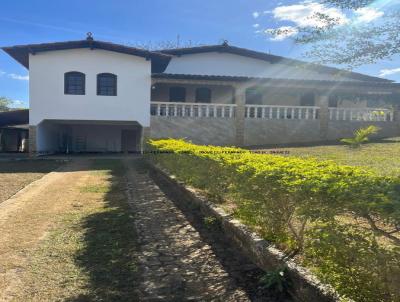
(354,43)
(5,104)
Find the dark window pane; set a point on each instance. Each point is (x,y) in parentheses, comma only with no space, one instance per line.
(203,95)
(253,96)
(307,99)
(74,83)
(106,84)
(333,101)
(177,94)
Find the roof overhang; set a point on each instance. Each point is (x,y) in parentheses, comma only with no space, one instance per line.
(21,52)
(225,48)
(363,87)
(14,117)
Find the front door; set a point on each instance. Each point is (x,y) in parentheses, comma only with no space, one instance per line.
(128,140)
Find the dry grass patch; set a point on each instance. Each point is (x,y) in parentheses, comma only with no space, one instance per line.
(15,175)
(89,252)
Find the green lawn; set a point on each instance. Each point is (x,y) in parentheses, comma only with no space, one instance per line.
(383,157)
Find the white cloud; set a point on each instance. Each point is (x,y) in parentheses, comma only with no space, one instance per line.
(368,14)
(282,33)
(256,25)
(18,77)
(386,72)
(14,76)
(256,15)
(305,13)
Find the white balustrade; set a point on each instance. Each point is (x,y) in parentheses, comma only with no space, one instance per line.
(178,109)
(272,112)
(268,112)
(361,114)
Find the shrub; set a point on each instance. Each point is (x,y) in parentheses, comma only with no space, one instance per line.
(341,221)
(361,136)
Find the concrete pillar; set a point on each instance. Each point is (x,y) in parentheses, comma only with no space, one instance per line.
(240,100)
(144,138)
(396,117)
(1,140)
(323,103)
(32,140)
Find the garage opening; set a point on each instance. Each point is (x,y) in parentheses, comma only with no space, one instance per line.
(56,136)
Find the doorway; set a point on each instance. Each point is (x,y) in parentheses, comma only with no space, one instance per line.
(129,140)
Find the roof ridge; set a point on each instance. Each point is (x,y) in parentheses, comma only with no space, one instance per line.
(21,52)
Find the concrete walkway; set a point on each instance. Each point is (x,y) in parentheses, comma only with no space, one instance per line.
(179,262)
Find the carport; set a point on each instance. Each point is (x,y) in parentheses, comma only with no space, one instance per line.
(79,136)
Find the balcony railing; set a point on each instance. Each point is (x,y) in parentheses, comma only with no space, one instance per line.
(361,114)
(268,112)
(272,112)
(193,110)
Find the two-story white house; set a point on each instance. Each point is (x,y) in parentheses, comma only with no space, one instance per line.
(93,96)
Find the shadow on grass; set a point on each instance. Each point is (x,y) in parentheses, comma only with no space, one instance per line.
(29,166)
(109,249)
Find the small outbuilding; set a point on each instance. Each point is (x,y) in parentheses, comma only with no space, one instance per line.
(14,131)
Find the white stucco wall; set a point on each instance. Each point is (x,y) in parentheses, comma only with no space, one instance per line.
(46,85)
(214,63)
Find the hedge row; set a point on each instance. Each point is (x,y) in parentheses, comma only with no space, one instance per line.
(340,221)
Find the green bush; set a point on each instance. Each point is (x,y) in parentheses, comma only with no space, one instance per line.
(340,221)
(361,136)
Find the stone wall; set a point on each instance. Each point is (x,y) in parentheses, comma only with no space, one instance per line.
(259,132)
(341,129)
(265,132)
(212,131)
(32,139)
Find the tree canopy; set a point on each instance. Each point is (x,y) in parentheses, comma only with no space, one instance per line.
(352,43)
(5,104)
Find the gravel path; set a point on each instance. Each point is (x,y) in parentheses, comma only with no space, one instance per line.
(178,262)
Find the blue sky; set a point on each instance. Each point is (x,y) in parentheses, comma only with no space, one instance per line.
(241,22)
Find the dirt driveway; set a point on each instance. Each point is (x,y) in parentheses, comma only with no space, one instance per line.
(26,218)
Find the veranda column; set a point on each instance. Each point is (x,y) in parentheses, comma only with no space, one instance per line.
(144,138)
(323,103)
(32,140)
(240,100)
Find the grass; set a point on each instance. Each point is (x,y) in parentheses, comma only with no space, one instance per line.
(15,175)
(383,156)
(90,252)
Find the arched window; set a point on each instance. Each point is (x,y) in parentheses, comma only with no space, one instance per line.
(74,83)
(177,94)
(106,84)
(203,95)
(307,99)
